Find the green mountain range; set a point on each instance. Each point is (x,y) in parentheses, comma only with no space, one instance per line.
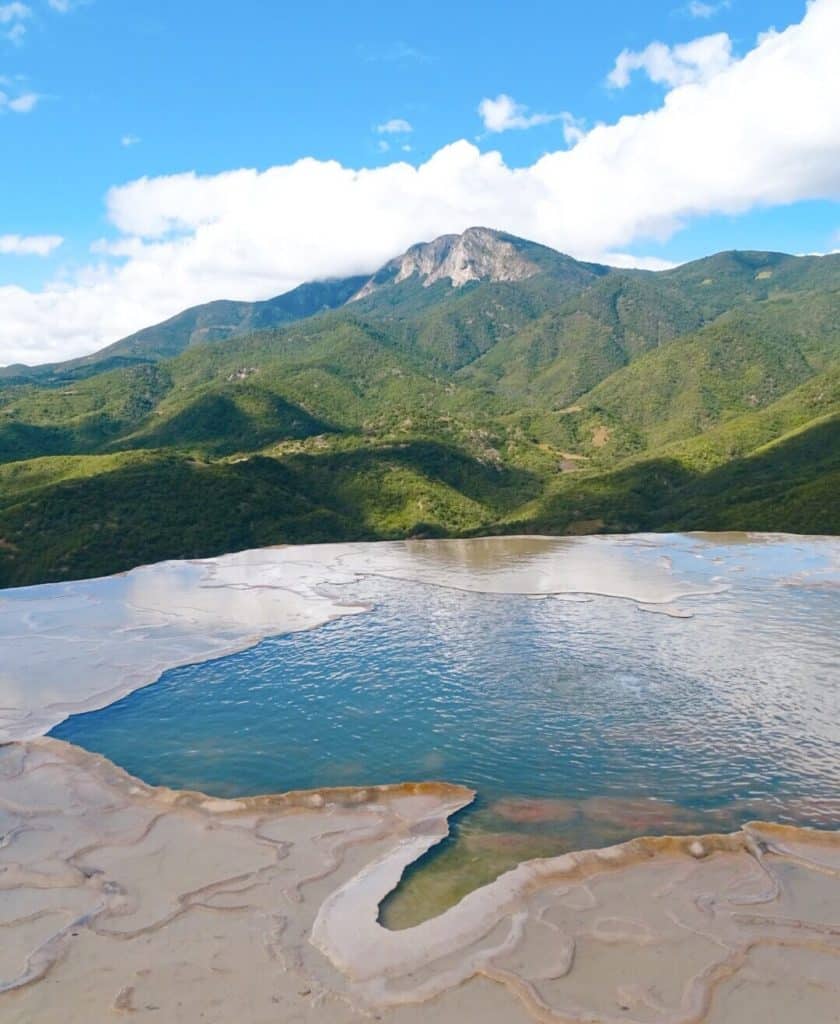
(479,383)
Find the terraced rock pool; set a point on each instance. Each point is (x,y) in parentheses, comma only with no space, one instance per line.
(580,720)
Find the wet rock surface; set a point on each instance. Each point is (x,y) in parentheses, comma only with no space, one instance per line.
(120,899)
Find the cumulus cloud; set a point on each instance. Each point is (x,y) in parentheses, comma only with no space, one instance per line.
(21,104)
(700,9)
(13,12)
(396,126)
(626,259)
(697,61)
(29,245)
(129,140)
(765,130)
(13,17)
(504,113)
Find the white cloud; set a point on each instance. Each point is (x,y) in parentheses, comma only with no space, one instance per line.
(700,9)
(14,15)
(764,131)
(396,126)
(29,245)
(129,140)
(698,61)
(22,104)
(574,129)
(626,259)
(62,6)
(13,12)
(503,114)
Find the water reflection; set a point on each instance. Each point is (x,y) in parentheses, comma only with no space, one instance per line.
(580,723)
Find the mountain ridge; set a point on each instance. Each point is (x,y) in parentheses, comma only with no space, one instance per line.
(477,254)
(550,395)
(465,255)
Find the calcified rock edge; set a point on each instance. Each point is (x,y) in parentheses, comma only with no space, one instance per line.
(117,898)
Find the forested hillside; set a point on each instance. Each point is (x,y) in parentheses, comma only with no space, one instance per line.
(477,384)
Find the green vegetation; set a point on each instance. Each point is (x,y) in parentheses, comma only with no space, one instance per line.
(576,400)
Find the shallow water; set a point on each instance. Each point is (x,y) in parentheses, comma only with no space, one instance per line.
(580,721)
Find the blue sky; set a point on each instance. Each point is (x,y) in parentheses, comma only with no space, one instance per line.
(98,93)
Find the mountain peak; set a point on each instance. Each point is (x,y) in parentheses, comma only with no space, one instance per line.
(479,254)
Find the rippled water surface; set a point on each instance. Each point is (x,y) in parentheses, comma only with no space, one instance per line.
(579,720)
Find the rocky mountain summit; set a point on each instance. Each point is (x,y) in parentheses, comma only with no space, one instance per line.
(479,254)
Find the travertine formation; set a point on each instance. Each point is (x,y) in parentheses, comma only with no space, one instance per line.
(117,899)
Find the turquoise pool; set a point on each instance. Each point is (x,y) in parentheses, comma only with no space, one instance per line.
(578,720)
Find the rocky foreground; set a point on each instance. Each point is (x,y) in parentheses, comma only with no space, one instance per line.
(119,899)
